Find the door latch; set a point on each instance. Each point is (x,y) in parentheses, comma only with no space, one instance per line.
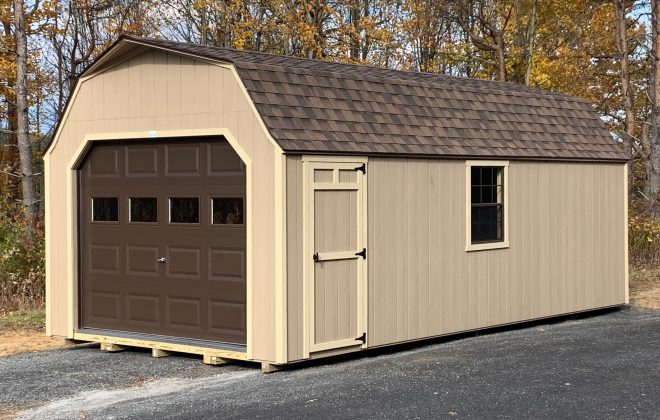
(316,257)
(161,260)
(362,253)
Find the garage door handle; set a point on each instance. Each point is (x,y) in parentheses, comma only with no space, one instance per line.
(162,260)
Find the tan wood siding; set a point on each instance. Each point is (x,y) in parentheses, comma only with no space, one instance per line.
(294,267)
(566,254)
(159,91)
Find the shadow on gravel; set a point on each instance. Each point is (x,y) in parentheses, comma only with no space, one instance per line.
(450,338)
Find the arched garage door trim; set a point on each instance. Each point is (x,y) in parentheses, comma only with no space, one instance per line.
(73,213)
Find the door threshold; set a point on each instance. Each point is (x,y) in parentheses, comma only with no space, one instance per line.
(155,338)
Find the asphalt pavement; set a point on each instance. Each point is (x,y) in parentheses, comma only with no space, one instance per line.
(604,365)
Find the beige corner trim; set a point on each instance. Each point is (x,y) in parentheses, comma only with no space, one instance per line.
(625,235)
(468,205)
(281,311)
(48,251)
(72,212)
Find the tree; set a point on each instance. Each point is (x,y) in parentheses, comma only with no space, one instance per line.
(653,168)
(22,122)
(621,36)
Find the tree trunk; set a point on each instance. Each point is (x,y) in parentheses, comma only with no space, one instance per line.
(653,167)
(22,134)
(621,36)
(501,57)
(529,48)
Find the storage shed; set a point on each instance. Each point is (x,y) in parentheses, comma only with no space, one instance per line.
(249,206)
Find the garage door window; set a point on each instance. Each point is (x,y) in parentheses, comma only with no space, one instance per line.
(184,210)
(143,209)
(227,211)
(105,209)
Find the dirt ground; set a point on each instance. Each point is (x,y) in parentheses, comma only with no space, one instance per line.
(14,342)
(645,292)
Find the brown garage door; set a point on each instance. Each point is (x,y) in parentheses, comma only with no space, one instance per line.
(163,239)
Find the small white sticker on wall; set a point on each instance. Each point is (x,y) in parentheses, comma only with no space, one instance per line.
(152,134)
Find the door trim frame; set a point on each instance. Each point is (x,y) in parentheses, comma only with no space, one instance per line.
(72,220)
(309,162)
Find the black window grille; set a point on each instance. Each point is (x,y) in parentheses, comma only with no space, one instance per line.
(487,187)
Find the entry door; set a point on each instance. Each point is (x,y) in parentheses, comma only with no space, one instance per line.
(337,253)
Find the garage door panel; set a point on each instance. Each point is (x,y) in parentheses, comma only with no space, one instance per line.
(141,161)
(184,262)
(142,260)
(104,258)
(182,160)
(105,305)
(183,312)
(104,163)
(227,316)
(199,289)
(143,308)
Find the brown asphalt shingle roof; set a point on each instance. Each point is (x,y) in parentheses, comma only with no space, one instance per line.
(312,106)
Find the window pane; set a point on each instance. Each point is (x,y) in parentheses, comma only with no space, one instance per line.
(487,225)
(487,195)
(184,210)
(476,175)
(144,209)
(487,176)
(476,195)
(227,211)
(105,209)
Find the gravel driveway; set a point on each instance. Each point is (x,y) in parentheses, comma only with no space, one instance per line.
(605,366)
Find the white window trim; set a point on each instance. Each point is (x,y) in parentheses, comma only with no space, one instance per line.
(468,205)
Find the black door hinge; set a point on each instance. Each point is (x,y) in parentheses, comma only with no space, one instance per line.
(362,253)
(316,257)
(362,338)
(362,168)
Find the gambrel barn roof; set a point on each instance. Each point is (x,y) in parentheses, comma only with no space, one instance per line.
(313,106)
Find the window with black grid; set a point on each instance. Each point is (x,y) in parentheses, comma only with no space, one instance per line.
(487,187)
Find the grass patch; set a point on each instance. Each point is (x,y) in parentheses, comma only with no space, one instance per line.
(24,319)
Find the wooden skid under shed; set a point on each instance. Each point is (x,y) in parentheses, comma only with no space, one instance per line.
(160,349)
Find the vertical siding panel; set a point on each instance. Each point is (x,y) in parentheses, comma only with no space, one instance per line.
(457,220)
(413,231)
(110,99)
(173,85)
(544,240)
(423,247)
(161,82)
(401,254)
(134,87)
(437,272)
(121,92)
(390,288)
(147,92)
(294,257)
(216,85)
(201,101)
(189,94)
